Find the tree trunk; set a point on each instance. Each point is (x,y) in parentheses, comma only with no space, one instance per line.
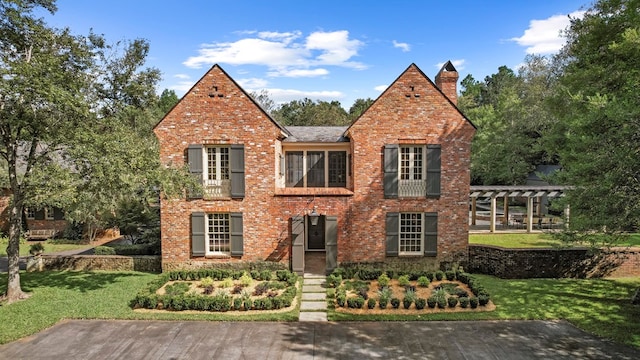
(14,290)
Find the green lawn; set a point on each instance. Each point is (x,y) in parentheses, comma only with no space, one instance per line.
(598,306)
(49,247)
(536,240)
(91,295)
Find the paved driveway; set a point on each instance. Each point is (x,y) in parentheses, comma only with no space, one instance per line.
(98,339)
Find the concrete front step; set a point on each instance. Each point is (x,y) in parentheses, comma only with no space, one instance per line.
(314,281)
(313,288)
(313,316)
(313,305)
(313,296)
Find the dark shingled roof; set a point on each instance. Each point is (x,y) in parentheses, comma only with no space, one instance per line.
(316,134)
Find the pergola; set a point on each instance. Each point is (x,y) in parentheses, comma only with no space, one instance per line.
(505,192)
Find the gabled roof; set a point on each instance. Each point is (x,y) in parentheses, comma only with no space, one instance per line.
(316,134)
(448,65)
(216,66)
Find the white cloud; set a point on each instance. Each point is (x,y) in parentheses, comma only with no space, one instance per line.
(458,64)
(298,72)
(281,96)
(181,87)
(253,83)
(182,76)
(543,36)
(284,53)
(381,88)
(402,46)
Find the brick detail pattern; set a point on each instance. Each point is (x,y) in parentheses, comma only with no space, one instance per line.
(218,111)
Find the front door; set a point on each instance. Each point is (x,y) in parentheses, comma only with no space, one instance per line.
(315,234)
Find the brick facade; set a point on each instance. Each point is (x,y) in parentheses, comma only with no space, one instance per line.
(411,111)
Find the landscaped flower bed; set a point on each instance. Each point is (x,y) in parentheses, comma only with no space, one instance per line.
(375,292)
(219,290)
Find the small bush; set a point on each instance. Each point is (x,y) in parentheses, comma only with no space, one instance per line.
(207,281)
(260,289)
(237,289)
(442,302)
(363,292)
(382,303)
(406,303)
(383,280)
(420,303)
(226,283)
(395,303)
(473,302)
(430,276)
(246,279)
(439,275)
(247,304)
(403,280)
(423,281)
(452,301)
(331,293)
(341,300)
(237,304)
(355,302)
(266,275)
(432,301)
(176,289)
(371,303)
(483,299)
(36,249)
(463,277)
(450,275)
(464,302)
(334,280)
(255,274)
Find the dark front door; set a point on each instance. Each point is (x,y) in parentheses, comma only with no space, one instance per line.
(315,234)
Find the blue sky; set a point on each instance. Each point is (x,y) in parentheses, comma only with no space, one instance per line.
(324,50)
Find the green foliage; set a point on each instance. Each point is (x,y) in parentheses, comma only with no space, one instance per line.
(450,275)
(246,279)
(36,249)
(432,301)
(355,302)
(439,275)
(226,283)
(310,113)
(178,288)
(371,303)
(452,301)
(423,281)
(207,281)
(395,303)
(104,250)
(409,298)
(403,280)
(483,299)
(421,303)
(464,302)
(383,280)
(334,280)
(473,302)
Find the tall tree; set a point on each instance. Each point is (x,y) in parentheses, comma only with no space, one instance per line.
(599,111)
(306,112)
(168,99)
(358,107)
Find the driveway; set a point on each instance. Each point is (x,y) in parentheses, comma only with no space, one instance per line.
(108,339)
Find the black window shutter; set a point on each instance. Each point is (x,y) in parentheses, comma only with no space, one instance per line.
(198,234)
(391,171)
(392,228)
(331,242)
(237,237)
(433,170)
(237,171)
(58,214)
(194,157)
(431,234)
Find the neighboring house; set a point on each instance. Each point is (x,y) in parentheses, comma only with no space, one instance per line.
(392,187)
(48,221)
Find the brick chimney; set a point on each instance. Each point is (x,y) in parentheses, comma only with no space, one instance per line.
(447,80)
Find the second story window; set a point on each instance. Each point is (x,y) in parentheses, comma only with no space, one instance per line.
(316,168)
(412,176)
(216,172)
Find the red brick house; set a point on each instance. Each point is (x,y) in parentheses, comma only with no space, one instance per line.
(391,187)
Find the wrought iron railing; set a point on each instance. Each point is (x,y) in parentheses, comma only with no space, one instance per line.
(412,188)
(217,189)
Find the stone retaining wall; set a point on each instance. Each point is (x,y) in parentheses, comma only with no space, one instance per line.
(95,262)
(553,263)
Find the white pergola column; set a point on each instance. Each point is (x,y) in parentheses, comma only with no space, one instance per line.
(492,224)
(529,214)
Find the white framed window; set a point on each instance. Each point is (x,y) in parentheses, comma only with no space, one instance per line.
(48,213)
(216,171)
(411,234)
(218,234)
(30,213)
(316,168)
(412,171)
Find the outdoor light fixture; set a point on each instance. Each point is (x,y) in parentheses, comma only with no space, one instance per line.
(314,216)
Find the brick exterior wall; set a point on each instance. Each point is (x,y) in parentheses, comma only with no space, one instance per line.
(217,111)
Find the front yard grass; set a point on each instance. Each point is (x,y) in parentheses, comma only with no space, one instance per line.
(599,306)
(50,246)
(92,295)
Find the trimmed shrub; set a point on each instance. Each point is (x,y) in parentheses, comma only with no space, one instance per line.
(247,304)
(395,303)
(423,281)
(382,303)
(420,303)
(464,302)
(331,293)
(104,250)
(439,275)
(334,280)
(442,302)
(226,283)
(371,303)
(450,275)
(473,302)
(355,302)
(177,289)
(452,301)
(483,299)
(432,301)
(341,300)
(266,275)
(237,304)
(246,279)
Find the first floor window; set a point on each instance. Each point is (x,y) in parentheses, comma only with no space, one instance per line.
(410,234)
(31,213)
(48,213)
(218,234)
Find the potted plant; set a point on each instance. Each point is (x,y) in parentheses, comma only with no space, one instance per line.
(36,249)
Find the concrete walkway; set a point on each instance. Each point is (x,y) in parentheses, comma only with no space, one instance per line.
(121,339)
